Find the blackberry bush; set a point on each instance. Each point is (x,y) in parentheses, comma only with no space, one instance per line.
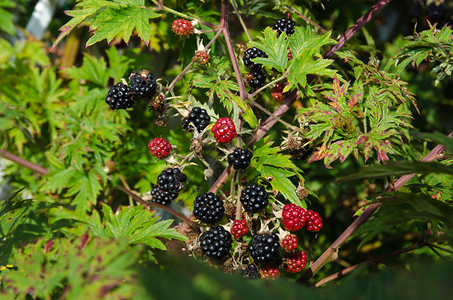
(120,96)
(216,243)
(254,198)
(198,118)
(208,208)
(143,84)
(264,249)
(250,54)
(240,158)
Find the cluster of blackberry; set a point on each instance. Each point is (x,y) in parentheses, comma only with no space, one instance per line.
(208,208)
(122,96)
(284,25)
(198,118)
(256,77)
(169,183)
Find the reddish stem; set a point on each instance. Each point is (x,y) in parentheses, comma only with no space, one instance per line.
(25,163)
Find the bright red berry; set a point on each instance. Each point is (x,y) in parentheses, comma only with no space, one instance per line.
(159,147)
(314,221)
(289,242)
(290,55)
(295,262)
(224,130)
(270,273)
(201,57)
(293,217)
(182,27)
(239,229)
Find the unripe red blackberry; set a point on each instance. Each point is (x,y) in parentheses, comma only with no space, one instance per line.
(270,273)
(277,92)
(201,57)
(285,25)
(197,118)
(254,198)
(120,96)
(208,208)
(159,147)
(239,229)
(264,249)
(171,179)
(250,54)
(293,217)
(216,243)
(143,84)
(314,221)
(224,130)
(163,197)
(240,158)
(251,272)
(256,78)
(289,242)
(295,261)
(182,27)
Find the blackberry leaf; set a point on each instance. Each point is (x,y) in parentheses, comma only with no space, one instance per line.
(275,48)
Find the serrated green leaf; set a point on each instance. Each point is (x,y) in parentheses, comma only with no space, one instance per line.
(275,48)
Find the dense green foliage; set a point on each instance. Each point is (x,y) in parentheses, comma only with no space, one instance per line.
(369,114)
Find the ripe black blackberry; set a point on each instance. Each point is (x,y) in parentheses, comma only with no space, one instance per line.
(250,54)
(264,249)
(198,117)
(285,25)
(251,272)
(163,197)
(171,180)
(143,84)
(120,96)
(240,158)
(256,78)
(208,208)
(216,243)
(254,198)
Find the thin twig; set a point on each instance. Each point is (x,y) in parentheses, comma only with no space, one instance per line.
(25,163)
(309,21)
(241,21)
(351,268)
(148,205)
(131,202)
(187,68)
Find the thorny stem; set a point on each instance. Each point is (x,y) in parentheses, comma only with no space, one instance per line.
(241,21)
(356,27)
(327,255)
(148,205)
(226,35)
(187,68)
(25,163)
(351,268)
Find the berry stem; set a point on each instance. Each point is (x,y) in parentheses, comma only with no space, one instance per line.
(163,207)
(327,255)
(187,68)
(241,21)
(238,201)
(24,163)
(161,6)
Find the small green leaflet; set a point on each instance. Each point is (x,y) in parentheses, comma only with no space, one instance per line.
(110,19)
(134,224)
(275,48)
(277,169)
